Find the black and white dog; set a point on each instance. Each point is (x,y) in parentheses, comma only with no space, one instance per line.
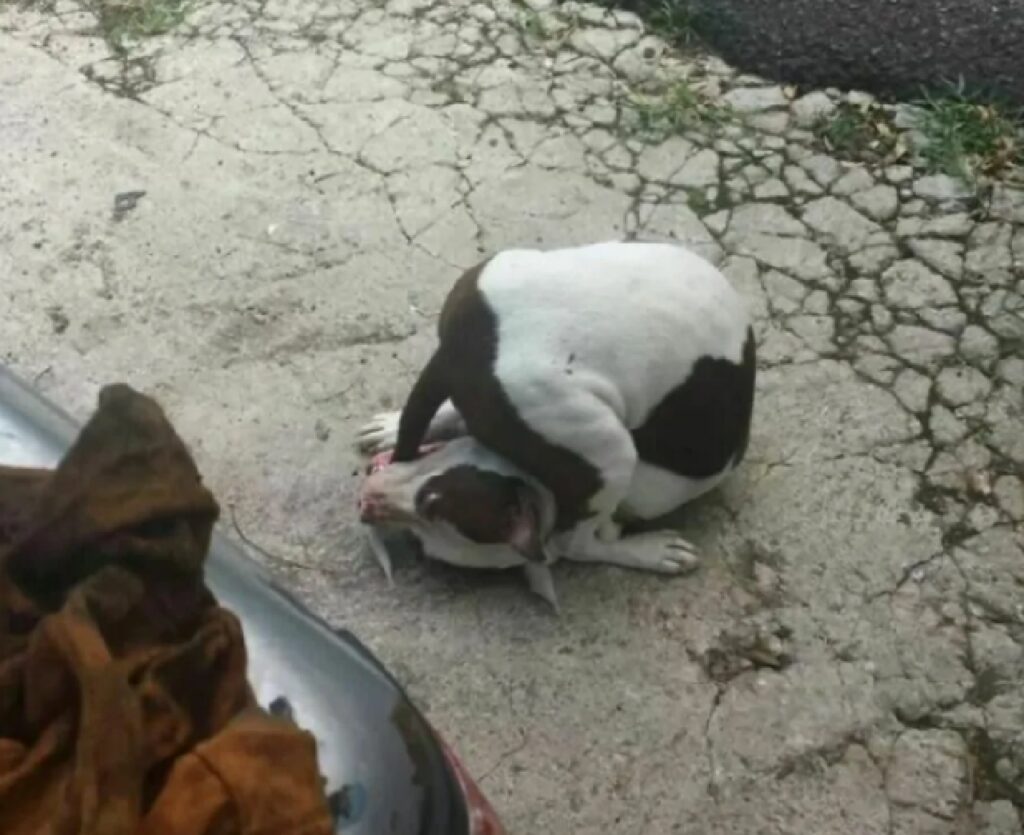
(584,387)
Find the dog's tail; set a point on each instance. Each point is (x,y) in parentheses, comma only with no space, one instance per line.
(426,397)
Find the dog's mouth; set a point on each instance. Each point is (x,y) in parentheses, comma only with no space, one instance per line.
(377,505)
(380,503)
(378,462)
(379,512)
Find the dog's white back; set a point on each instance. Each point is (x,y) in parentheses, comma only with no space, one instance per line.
(627,320)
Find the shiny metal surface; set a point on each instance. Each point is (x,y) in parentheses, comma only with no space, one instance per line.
(383,764)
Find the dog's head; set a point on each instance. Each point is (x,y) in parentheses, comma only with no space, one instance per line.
(466,505)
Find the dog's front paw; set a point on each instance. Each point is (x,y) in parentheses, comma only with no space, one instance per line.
(379,434)
(664,552)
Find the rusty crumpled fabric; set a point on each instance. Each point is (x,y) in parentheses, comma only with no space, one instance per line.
(124,704)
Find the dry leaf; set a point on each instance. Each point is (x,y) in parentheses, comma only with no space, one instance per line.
(899,150)
(979,482)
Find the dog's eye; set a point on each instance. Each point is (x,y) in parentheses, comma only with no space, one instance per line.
(430,505)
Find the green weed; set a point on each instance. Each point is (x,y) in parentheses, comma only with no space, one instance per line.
(122,21)
(532,24)
(861,132)
(679,108)
(965,137)
(674,20)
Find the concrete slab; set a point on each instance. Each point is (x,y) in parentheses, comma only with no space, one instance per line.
(255,217)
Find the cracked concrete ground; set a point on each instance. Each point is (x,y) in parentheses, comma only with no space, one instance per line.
(255,218)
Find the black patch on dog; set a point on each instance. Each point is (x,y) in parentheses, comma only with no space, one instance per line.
(481,504)
(703,425)
(462,369)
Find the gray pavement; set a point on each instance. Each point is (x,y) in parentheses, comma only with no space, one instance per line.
(851,657)
(896,47)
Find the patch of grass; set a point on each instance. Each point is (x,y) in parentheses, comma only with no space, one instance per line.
(674,20)
(681,22)
(966,137)
(698,201)
(680,107)
(123,21)
(532,24)
(862,133)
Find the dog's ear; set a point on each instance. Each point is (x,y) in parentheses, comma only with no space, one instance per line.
(538,575)
(524,533)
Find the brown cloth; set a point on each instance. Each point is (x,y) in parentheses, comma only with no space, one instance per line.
(124,704)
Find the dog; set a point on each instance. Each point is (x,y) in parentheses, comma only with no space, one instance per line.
(578,389)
